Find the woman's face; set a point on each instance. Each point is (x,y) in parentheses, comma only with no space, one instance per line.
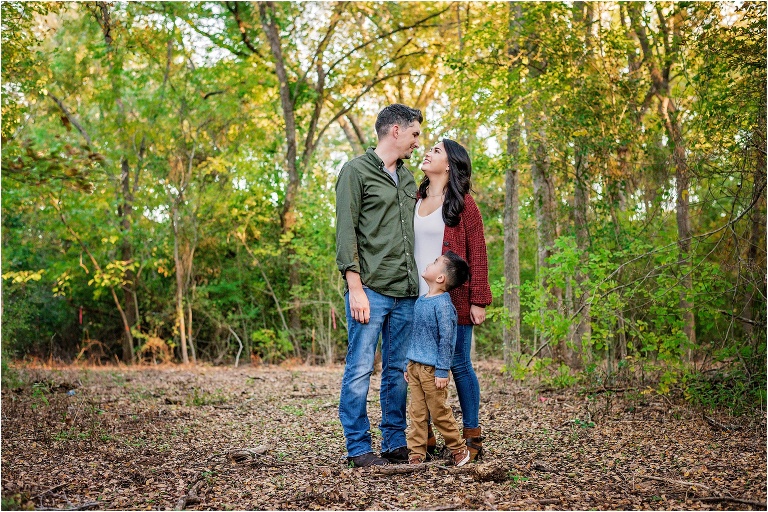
(435,161)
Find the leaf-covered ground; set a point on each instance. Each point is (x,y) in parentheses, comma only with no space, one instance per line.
(165,437)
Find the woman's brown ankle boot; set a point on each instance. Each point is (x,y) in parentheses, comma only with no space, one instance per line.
(474,440)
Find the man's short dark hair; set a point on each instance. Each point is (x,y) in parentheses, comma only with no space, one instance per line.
(456,271)
(396,114)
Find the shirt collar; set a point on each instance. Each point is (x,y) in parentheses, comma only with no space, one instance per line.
(380,163)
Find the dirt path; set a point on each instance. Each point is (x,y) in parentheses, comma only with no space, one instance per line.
(159,438)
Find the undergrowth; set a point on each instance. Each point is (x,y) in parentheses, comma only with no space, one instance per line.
(731,388)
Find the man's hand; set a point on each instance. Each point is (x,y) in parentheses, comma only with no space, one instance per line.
(441,382)
(477,314)
(358,300)
(405,374)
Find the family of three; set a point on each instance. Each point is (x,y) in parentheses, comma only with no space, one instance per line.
(416,271)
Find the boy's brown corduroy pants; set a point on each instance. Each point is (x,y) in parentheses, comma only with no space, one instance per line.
(427,400)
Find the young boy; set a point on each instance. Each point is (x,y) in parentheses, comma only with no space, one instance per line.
(429,356)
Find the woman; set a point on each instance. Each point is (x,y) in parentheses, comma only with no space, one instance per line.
(447,218)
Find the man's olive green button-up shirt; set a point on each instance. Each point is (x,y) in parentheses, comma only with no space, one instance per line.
(374,225)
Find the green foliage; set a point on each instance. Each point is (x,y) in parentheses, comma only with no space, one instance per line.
(17,502)
(163,153)
(737,385)
(291,409)
(201,397)
(32,317)
(515,479)
(40,392)
(562,377)
(544,370)
(11,378)
(578,422)
(271,345)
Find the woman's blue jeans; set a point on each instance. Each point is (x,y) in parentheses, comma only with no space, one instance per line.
(467,385)
(392,318)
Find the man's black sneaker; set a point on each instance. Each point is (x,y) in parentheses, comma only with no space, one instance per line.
(366,460)
(397,456)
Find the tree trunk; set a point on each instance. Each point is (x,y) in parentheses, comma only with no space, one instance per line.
(583,328)
(511,245)
(682,210)
(294,314)
(668,113)
(617,203)
(179,286)
(126,251)
(125,210)
(583,16)
(756,268)
(511,332)
(352,136)
(287,214)
(544,207)
(190,339)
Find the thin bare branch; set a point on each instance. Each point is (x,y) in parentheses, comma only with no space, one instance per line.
(384,36)
(72,118)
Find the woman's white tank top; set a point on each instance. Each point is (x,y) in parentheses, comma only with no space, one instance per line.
(429,233)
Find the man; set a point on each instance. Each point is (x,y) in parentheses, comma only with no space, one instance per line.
(375,200)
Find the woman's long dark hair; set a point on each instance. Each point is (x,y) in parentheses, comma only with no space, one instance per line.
(459,182)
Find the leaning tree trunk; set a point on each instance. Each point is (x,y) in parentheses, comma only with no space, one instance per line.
(353,137)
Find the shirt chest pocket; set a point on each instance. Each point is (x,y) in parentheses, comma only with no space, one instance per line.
(380,191)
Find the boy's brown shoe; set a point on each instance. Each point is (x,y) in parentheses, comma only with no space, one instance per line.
(460,456)
(415,459)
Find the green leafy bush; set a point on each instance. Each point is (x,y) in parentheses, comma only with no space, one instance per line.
(271,346)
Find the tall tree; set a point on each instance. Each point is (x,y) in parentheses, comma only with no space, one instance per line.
(512,191)
(660,55)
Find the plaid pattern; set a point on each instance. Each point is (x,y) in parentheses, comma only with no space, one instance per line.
(468,241)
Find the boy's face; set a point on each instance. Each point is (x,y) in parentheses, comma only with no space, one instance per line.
(435,271)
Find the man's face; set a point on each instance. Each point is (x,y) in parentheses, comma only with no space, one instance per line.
(408,139)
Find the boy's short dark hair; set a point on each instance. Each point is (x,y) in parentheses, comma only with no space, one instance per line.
(456,271)
(396,114)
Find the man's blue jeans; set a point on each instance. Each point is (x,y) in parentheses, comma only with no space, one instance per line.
(467,385)
(392,318)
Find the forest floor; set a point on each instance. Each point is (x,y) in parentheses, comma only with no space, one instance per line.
(146,438)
